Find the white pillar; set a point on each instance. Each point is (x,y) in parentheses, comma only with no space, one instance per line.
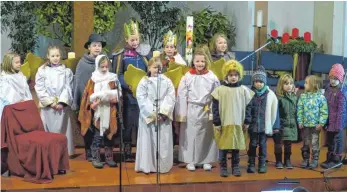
(251,22)
(339,28)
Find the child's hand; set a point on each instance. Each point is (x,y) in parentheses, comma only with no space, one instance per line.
(245,127)
(59,107)
(319,127)
(95,104)
(114,100)
(300,126)
(54,106)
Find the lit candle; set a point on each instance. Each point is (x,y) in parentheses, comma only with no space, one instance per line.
(156,53)
(260,18)
(71,55)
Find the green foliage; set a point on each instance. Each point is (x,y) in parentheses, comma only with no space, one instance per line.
(155,20)
(293,46)
(58,15)
(105,15)
(207,21)
(17,18)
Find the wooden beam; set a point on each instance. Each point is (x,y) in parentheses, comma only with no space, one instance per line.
(83,25)
(261,5)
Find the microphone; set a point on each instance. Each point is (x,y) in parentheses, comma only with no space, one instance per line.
(275,39)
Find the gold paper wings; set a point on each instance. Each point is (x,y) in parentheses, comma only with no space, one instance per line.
(175,73)
(133,75)
(217,67)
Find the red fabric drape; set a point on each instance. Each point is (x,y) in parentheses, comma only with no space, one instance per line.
(33,153)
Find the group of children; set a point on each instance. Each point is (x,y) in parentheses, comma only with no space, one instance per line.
(213,117)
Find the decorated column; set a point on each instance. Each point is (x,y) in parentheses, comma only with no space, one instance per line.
(189,39)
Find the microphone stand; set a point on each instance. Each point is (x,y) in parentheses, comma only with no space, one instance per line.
(120,118)
(254,52)
(157,126)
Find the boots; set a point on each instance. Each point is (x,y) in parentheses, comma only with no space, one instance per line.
(315,157)
(235,163)
(96,159)
(109,157)
(262,168)
(324,165)
(335,159)
(287,154)
(305,152)
(287,162)
(223,168)
(279,164)
(251,165)
(88,139)
(127,153)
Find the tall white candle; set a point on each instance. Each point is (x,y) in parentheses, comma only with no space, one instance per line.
(260,18)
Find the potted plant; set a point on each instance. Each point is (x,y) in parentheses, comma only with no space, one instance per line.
(206,23)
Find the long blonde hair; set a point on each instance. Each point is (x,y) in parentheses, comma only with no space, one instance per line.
(285,78)
(213,47)
(314,82)
(7,61)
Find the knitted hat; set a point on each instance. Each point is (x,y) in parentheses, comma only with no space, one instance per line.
(337,71)
(259,75)
(233,65)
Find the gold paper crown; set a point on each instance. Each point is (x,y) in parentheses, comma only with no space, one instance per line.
(131,29)
(233,65)
(170,38)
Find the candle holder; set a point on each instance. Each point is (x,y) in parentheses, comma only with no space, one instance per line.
(259,34)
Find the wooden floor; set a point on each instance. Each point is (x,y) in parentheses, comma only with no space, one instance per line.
(83,176)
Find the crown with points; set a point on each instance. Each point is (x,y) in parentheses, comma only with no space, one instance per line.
(131,29)
(170,38)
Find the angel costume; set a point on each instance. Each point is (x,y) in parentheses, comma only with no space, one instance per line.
(13,89)
(147,95)
(193,106)
(53,85)
(103,120)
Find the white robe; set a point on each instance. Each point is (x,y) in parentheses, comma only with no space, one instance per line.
(13,89)
(53,84)
(146,95)
(194,107)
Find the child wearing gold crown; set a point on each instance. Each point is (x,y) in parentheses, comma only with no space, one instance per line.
(229,108)
(170,53)
(135,54)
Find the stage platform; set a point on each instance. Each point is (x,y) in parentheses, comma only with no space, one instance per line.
(83,177)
